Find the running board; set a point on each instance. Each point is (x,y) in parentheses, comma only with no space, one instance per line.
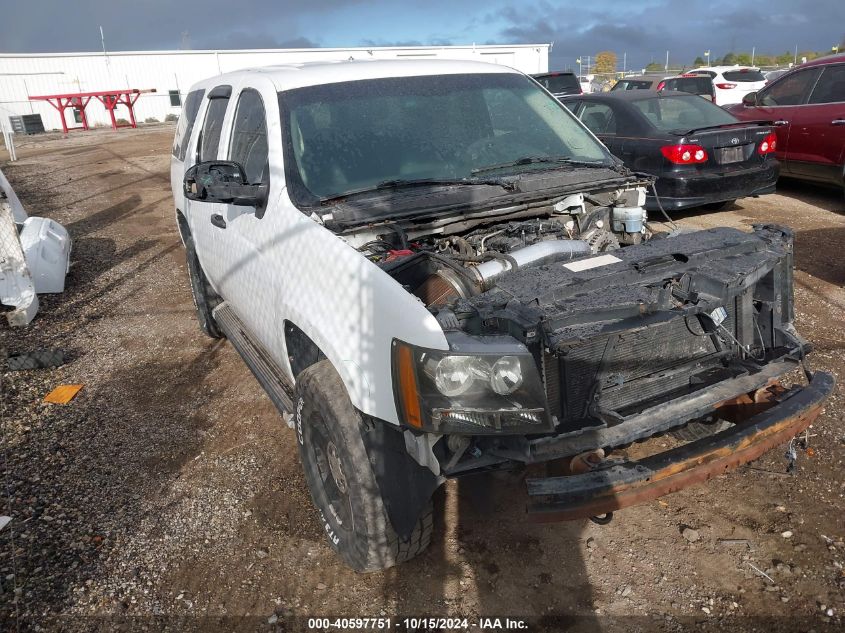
(265,370)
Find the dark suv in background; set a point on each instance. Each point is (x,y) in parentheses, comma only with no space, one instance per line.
(807,106)
(560,83)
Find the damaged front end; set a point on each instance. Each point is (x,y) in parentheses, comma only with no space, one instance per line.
(571,358)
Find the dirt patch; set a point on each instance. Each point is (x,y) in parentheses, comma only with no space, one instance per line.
(171,488)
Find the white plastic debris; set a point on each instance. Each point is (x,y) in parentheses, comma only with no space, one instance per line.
(46,247)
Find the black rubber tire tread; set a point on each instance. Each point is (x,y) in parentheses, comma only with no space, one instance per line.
(718,206)
(699,430)
(372,544)
(205,299)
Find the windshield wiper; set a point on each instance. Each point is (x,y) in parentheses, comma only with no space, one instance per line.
(408,182)
(531,160)
(401,183)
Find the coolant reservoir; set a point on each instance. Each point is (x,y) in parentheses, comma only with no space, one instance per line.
(629,219)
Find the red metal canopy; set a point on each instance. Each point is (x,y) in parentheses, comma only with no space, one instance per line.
(79,101)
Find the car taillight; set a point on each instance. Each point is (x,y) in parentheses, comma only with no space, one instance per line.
(661,85)
(768,145)
(726,86)
(684,154)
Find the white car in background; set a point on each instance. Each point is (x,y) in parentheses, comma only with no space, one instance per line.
(732,83)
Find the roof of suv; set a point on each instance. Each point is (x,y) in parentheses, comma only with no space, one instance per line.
(290,76)
(721,69)
(827,59)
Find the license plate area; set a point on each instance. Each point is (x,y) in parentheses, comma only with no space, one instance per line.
(731,155)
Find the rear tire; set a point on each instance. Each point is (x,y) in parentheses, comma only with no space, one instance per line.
(205,299)
(718,206)
(341,479)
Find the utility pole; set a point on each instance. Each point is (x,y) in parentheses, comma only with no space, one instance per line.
(624,63)
(666,67)
(753,50)
(795,59)
(103,42)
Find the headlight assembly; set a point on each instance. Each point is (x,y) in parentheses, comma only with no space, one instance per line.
(484,387)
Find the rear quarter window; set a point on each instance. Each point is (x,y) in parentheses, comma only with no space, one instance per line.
(743,76)
(186,123)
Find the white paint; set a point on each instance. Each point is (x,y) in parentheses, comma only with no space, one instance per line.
(593,262)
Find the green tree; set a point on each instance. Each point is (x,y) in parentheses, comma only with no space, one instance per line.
(605,63)
(765,60)
(743,59)
(698,62)
(784,59)
(729,59)
(654,66)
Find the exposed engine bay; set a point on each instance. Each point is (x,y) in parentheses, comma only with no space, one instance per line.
(440,268)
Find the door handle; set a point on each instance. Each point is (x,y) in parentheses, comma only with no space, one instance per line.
(218,221)
(838,122)
(781,122)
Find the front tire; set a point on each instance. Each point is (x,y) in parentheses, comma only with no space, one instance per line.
(341,479)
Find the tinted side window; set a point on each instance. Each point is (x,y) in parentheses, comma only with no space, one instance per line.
(599,118)
(789,90)
(186,123)
(249,137)
(211,129)
(830,87)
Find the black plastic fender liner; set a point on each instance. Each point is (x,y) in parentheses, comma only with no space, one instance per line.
(406,487)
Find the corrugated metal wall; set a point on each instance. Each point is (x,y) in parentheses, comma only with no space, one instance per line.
(23,75)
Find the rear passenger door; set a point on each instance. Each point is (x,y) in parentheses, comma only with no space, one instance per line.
(818,129)
(184,130)
(209,238)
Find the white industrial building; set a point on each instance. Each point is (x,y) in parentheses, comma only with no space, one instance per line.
(171,73)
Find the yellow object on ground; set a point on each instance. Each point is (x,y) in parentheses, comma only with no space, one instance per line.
(62,394)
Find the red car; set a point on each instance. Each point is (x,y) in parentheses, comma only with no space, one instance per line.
(807,107)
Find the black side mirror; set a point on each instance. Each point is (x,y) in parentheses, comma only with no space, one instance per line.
(750,99)
(223,181)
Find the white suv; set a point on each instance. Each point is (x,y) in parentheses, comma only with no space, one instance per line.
(419,261)
(732,83)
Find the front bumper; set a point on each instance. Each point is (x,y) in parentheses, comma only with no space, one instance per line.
(625,484)
(684,191)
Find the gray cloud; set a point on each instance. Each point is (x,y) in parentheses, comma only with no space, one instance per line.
(155,24)
(772,26)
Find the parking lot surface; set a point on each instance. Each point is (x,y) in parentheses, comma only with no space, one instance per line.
(170,486)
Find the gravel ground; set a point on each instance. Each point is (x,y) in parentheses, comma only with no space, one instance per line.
(168,493)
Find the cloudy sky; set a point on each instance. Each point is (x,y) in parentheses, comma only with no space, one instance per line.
(644,29)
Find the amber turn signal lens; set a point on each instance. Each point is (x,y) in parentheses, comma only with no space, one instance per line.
(408,392)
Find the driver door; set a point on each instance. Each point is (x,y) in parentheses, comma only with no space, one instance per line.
(246,280)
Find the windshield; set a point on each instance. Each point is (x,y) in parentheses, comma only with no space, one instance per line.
(347,137)
(687,112)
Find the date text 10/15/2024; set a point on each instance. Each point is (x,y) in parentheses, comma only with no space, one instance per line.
(415,624)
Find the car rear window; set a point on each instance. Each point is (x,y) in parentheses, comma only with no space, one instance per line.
(745,75)
(557,84)
(682,113)
(629,84)
(693,85)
